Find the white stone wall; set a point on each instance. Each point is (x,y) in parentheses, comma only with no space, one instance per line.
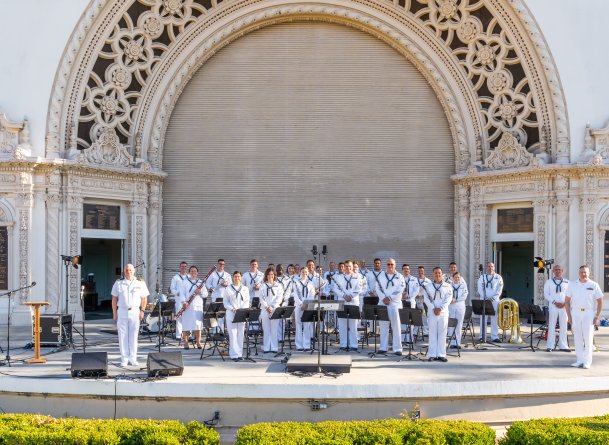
(576,35)
(34,34)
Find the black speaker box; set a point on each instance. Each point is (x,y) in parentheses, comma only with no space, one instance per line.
(55,329)
(90,364)
(164,364)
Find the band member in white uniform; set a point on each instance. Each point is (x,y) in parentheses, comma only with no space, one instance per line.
(490,286)
(363,284)
(422,281)
(372,277)
(236,297)
(192,317)
(270,299)
(554,292)
(253,279)
(329,277)
(286,293)
(411,290)
(584,301)
(347,289)
(174,288)
(389,289)
(438,295)
(452,270)
(456,309)
(303,289)
(218,281)
(129,297)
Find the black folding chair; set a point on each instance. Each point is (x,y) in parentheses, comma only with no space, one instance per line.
(452,323)
(468,325)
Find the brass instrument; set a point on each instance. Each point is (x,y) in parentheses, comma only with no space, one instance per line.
(509,318)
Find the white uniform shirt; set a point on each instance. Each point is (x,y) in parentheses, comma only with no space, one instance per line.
(348,285)
(270,296)
(372,278)
(215,281)
(438,296)
(187,288)
(491,286)
(554,290)
(390,286)
(303,291)
(422,282)
(236,297)
(249,279)
(460,291)
(329,277)
(286,288)
(129,294)
(583,295)
(411,286)
(176,283)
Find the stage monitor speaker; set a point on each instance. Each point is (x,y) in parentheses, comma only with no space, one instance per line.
(164,364)
(90,364)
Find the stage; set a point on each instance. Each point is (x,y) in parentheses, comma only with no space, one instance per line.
(495,386)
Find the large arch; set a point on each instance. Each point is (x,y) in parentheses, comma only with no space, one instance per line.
(128,61)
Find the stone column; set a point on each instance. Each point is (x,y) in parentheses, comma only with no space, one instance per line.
(154,236)
(541,213)
(53,265)
(463,231)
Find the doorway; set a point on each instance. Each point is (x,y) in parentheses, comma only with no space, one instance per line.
(100,269)
(516,269)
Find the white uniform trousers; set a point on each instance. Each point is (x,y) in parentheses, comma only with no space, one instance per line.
(235,335)
(438,326)
(394,320)
(351,341)
(128,325)
(304,331)
(269,332)
(583,335)
(494,324)
(554,314)
(456,310)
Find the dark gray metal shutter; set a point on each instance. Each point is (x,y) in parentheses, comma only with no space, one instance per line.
(307,133)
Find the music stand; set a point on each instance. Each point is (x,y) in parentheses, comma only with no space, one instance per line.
(215,311)
(244,316)
(413,317)
(281,313)
(375,313)
(482,309)
(531,310)
(321,308)
(163,309)
(350,312)
(310,316)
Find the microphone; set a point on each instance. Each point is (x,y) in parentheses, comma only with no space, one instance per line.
(314,250)
(324,250)
(33,284)
(144,263)
(480,268)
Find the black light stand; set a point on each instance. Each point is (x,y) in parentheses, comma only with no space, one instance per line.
(324,252)
(82,307)
(7,359)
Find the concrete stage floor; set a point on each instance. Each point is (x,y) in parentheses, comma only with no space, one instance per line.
(496,385)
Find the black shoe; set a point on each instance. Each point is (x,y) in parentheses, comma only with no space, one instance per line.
(266,352)
(431,359)
(300,350)
(442,359)
(381,351)
(565,350)
(240,359)
(496,340)
(549,350)
(235,359)
(398,353)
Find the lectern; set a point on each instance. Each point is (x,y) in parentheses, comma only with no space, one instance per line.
(36,306)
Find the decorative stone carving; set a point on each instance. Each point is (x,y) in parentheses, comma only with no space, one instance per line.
(14,139)
(502,93)
(509,154)
(107,150)
(596,145)
(590,242)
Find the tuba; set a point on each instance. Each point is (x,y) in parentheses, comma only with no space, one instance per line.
(509,318)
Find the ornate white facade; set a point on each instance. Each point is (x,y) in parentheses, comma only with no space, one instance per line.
(128,61)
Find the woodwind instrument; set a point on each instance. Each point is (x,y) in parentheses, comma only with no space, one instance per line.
(194,294)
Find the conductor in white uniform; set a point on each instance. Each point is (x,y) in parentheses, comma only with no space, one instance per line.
(129,297)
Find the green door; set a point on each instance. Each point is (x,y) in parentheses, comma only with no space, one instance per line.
(517,270)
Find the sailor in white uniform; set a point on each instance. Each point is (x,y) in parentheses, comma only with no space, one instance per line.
(129,297)
(490,286)
(409,296)
(348,289)
(584,301)
(303,290)
(237,296)
(389,289)
(286,293)
(253,279)
(174,288)
(422,281)
(438,295)
(456,309)
(554,291)
(192,317)
(270,299)
(218,281)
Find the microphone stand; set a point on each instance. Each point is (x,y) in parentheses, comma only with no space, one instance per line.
(7,360)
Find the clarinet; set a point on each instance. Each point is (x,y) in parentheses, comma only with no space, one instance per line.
(194,294)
